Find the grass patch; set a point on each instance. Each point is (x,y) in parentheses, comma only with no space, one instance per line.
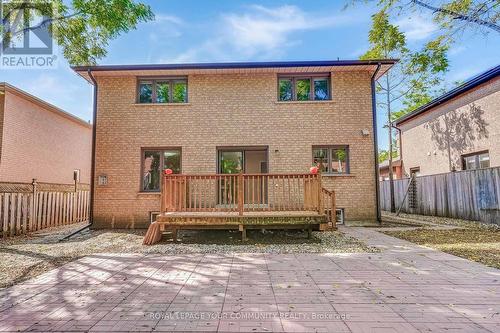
(477,244)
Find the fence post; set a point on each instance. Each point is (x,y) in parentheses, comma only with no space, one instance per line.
(33,208)
(74,203)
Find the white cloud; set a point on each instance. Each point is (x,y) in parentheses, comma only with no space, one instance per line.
(163,18)
(56,89)
(165,26)
(267,29)
(417,27)
(260,33)
(50,86)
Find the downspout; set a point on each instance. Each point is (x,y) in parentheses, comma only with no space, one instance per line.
(94,131)
(92,166)
(375,144)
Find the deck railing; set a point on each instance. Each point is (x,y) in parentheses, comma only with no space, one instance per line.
(246,192)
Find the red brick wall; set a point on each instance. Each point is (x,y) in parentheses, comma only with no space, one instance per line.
(230,110)
(40,143)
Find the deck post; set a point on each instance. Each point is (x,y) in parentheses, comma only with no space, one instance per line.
(243,230)
(334,211)
(162,196)
(321,207)
(240,193)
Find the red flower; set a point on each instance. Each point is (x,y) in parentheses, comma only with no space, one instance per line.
(314,170)
(168,171)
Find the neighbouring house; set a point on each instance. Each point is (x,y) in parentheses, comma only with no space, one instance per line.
(397,169)
(269,122)
(41,141)
(459,130)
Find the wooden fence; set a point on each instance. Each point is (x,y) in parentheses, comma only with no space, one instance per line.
(33,207)
(471,194)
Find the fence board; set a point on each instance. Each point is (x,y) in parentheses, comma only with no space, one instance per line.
(12,217)
(25,207)
(18,229)
(465,194)
(23,212)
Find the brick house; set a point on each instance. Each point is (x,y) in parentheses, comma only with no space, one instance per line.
(397,169)
(39,140)
(225,118)
(459,130)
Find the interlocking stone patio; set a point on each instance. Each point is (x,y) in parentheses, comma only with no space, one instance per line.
(405,288)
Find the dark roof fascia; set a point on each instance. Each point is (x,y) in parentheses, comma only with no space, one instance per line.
(235,65)
(463,88)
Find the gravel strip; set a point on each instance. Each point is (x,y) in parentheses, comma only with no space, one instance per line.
(25,257)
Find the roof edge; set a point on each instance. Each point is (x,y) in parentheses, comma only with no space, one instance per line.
(235,65)
(461,89)
(4,86)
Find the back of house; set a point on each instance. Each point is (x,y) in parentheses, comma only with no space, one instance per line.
(41,141)
(255,118)
(459,130)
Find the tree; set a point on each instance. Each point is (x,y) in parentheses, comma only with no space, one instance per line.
(410,82)
(83,28)
(454,17)
(383,155)
(461,15)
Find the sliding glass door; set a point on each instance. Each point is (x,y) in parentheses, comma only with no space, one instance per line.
(248,161)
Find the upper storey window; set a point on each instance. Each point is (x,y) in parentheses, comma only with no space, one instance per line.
(162,90)
(304,88)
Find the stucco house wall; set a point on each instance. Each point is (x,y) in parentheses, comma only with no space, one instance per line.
(436,140)
(40,141)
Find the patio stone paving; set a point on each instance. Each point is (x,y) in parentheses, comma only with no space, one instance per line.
(404,288)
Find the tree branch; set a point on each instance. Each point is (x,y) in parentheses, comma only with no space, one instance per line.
(45,22)
(458,16)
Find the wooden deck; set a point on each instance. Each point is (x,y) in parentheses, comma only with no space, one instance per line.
(243,201)
(174,221)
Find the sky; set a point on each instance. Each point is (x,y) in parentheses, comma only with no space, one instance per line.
(234,30)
